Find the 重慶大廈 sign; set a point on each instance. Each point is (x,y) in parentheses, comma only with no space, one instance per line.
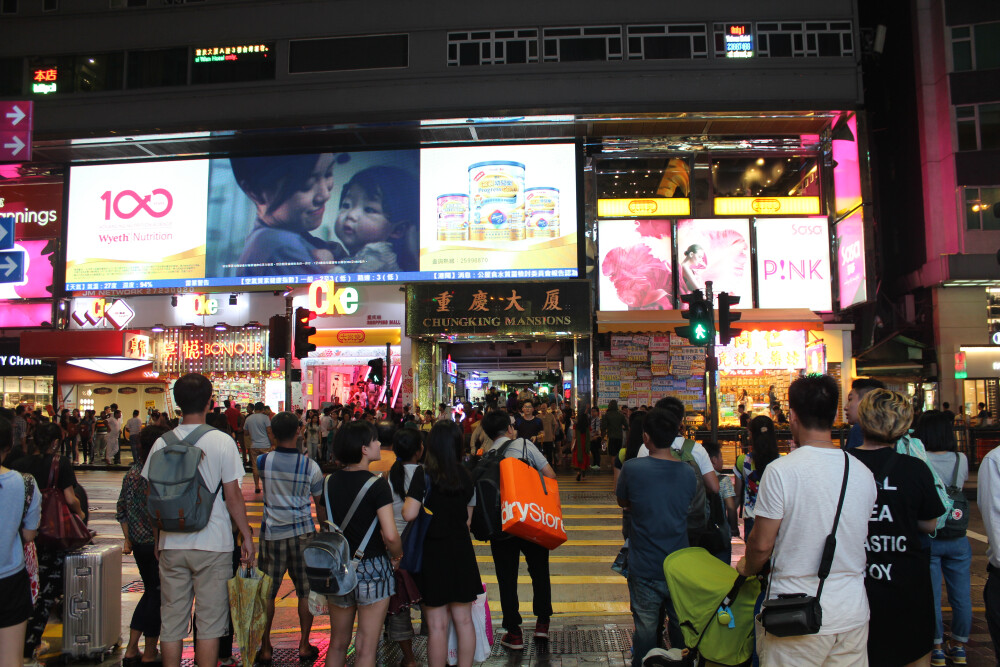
(561,307)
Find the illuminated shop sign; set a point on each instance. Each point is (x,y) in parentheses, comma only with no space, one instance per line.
(764,350)
(767,206)
(739,40)
(218,54)
(179,351)
(326,299)
(642,208)
(816,358)
(194,349)
(104,312)
(43,80)
(793,263)
(137,346)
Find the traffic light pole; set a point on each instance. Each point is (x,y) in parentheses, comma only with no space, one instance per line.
(288,353)
(712,367)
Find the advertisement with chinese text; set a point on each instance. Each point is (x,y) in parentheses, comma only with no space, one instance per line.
(793,263)
(498,211)
(716,250)
(636,264)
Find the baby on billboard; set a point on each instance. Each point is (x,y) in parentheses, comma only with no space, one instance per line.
(374,223)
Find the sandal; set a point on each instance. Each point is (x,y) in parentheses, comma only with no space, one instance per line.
(261,662)
(311,656)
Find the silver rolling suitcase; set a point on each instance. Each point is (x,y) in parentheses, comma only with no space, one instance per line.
(92,616)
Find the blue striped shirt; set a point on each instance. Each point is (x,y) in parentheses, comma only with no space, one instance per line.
(289,480)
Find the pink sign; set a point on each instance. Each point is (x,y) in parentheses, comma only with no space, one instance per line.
(20,315)
(852,277)
(636,264)
(36,206)
(847,173)
(716,250)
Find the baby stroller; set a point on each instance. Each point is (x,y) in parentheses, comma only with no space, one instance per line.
(714,607)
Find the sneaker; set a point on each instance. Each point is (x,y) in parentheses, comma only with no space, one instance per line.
(541,630)
(955,653)
(513,640)
(937,658)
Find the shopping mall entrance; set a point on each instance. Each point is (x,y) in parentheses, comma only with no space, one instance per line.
(539,367)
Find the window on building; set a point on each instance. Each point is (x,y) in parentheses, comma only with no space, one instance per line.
(989,126)
(965,123)
(978,126)
(981,208)
(338,54)
(975,47)
(8,6)
(153,69)
(581,44)
(800,39)
(11,76)
(98,72)
(493,47)
(667,42)
(772,176)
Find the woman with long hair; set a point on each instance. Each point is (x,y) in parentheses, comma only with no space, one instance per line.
(631,450)
(580,432)
(40,464)
(951,553)
(449,579)
(749,468)
(906,508)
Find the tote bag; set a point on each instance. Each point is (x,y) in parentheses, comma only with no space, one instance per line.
(60,529)
(530,506)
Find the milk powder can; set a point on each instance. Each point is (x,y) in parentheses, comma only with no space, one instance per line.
(496,198)
(453,217)
(541,212)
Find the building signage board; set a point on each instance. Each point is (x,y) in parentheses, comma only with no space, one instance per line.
(636,264)
(980,362)
(13,364)
(852,276)
(195,309)
(793,263)
(550,308)
(36,206)
(763,350)
(16,120)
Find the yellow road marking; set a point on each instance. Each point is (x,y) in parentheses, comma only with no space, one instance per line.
(977,536)
(560,559)
(572,543)
(558,608)
(570,580)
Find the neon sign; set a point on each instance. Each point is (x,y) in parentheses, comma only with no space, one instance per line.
(196,349)
(739,40)
(326,299)
(231,53)
(44,80)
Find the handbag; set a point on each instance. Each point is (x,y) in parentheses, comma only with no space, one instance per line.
(530,507)
(414,535)
(797,614)
(957,523)
(483,624)
(60,529)
(621,561)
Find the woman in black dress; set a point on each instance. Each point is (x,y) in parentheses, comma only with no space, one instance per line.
(449,579)
(898,576)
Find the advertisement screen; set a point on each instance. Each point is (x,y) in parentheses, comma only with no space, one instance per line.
(793,263)
(636,262)
(36,206)
(498,211)
(354,217)
(852,277)
(716,250)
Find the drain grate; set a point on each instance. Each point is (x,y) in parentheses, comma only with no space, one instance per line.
(575,642)
(134,587)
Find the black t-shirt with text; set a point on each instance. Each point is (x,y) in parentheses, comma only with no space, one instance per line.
(343,487)
(41,466)
(528,428)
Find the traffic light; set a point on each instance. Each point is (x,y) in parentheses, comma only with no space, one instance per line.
(701,330)
(302,333)
(277,337)
(376,371)
(727,317)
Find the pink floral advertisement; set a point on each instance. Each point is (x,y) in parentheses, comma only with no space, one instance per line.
(636,264)
(717,250)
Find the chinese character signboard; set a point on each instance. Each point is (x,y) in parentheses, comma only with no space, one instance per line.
(760,350)
(552,308)
(207,350)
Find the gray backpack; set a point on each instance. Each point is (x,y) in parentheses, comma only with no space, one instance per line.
(177,497)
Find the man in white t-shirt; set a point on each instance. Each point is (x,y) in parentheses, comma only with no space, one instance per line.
(258,429)
(701,457)
(794,514)
(199,564)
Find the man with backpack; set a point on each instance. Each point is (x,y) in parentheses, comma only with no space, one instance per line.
(194,539)
(658,490)
(506,549)
(289,479)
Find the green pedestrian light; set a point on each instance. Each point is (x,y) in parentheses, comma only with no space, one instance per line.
(701,330)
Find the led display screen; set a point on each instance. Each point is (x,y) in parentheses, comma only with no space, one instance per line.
(374,216)
(636,264)
(498,211)
(793,263)
(716,250)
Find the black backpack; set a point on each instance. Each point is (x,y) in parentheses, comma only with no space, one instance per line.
(486,522)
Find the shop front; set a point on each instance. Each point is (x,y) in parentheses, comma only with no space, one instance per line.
(361,357)
(26,381)
(977,374)
(526,336)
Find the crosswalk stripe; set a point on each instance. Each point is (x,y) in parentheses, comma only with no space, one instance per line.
(977,536)
(558,608)
(570,580)
(571,543)
(560,559)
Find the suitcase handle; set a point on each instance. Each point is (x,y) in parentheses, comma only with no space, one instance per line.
(78,605)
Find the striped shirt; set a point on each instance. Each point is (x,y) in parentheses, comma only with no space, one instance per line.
(289,480)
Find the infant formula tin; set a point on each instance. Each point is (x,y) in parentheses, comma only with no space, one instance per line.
(541,212)
(496,198)
(453,217)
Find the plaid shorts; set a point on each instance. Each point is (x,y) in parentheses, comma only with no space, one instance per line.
(279,556)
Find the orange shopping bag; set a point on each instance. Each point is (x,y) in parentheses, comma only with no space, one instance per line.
(530,504)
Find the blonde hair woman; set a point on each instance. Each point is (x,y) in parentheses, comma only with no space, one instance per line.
(898,579)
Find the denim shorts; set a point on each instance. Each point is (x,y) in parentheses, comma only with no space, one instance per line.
(375,582)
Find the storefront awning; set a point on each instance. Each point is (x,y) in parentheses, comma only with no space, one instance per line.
(665,321)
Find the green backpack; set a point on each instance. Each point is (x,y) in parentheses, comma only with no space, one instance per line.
(697,520)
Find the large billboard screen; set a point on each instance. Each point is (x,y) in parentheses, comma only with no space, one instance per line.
(369,216)
(636,264)
(793,263)
(507,209)
(718,250)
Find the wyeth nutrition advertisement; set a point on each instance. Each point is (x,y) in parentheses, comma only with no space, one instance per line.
(499,208)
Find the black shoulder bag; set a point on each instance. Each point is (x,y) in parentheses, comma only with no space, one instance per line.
(795,614)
